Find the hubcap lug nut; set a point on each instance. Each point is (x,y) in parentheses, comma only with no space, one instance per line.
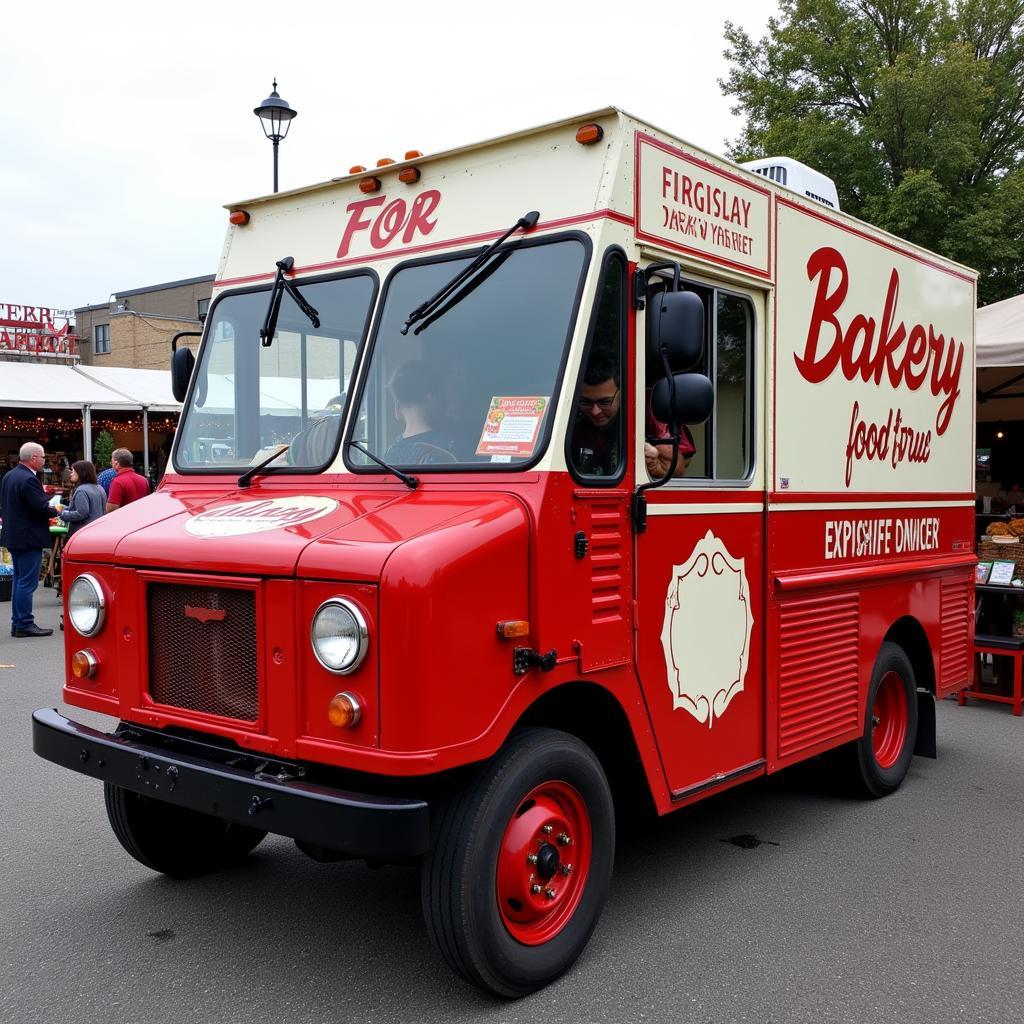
(564,839)
(566,869)
(548,829)
(550,893)
(535,889)
(531,858)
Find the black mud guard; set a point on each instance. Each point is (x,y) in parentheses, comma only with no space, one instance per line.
(926,744)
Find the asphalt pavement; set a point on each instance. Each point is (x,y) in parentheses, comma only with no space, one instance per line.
(903,910)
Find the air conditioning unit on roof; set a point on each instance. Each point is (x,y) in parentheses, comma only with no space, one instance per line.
(806,181)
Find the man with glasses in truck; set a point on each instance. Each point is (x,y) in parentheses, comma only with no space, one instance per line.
(597,439)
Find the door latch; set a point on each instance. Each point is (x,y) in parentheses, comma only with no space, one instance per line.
(580,544)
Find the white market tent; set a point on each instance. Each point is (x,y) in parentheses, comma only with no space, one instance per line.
(85,388)
(999,332)
(42,386)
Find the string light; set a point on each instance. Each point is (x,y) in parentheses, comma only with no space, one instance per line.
(22,424)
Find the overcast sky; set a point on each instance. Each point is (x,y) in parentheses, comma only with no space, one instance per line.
(128,126)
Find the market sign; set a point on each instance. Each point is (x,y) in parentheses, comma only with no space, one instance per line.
(686,203)
(34,330)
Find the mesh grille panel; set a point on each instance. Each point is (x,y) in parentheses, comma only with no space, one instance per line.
(202,649)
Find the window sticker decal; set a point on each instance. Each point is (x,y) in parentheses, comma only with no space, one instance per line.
(512,426)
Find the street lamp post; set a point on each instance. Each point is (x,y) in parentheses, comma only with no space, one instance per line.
(275,115)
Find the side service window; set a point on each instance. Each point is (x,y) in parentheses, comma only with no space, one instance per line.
(723,447)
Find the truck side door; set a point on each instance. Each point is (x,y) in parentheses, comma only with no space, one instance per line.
(700,565)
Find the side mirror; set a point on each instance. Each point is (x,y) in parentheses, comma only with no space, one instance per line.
(182,363)
(675,321)
(694,398)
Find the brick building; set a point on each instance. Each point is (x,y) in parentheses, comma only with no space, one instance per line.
(135,327)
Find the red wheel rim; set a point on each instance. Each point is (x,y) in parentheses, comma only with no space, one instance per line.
(889,720)
(543,862)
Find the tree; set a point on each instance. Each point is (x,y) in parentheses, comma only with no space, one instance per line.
(103,448)
(914,107)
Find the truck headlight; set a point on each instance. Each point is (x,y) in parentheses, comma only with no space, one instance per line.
(86,605)
(339,636)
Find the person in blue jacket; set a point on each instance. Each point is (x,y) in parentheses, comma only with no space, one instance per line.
(25,532)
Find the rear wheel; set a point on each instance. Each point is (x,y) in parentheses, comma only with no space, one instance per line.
(174,840)
(878,762)
(521,863)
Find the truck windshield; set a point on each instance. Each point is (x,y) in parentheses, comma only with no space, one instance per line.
(474,388)
(248,400)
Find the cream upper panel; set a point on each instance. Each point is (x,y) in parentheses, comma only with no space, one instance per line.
(464,199)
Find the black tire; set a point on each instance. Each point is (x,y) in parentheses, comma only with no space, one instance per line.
(173,840)
(463,891)
(870,771)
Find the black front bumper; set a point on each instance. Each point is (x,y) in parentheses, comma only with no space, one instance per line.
(237,786)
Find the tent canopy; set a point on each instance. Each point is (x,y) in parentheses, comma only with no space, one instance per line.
(151,388)
(999,328)
(40,386)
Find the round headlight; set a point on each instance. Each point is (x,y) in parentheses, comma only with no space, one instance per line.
(339,635)
(86,605)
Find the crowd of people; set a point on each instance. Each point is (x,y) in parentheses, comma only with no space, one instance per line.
(25,514)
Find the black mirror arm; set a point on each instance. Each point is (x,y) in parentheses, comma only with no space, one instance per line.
(639,505)
(642,275)
(183,334)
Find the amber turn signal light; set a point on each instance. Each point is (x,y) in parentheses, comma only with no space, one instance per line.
(239,217)
(512,628)
(84,664)
(344,711)
(369,185)
(588,134)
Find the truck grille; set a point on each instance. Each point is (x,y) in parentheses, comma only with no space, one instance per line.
(202,649)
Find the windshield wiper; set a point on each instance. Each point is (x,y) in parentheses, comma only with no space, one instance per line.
(412,482)
(424,309)
(246,478)
(281,285)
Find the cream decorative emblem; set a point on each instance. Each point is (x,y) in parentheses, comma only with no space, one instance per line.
(256,516)
(706,631)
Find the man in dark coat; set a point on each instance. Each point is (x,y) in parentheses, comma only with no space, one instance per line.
(26,514)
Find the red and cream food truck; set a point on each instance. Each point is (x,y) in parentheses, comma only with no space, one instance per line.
(516,482)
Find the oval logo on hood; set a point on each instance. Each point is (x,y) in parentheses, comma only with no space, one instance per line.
(258,516)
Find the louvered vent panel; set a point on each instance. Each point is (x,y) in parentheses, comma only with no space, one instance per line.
(607,542)
(955,623)
(818,660)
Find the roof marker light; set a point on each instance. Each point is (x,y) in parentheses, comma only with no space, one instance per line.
(410,175)
(384,161)
(356,169)
(239,217)
(588,134)
(369,185)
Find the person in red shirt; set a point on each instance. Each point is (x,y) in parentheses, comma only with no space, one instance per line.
(128,485)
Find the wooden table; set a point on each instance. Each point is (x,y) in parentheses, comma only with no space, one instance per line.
(52,575)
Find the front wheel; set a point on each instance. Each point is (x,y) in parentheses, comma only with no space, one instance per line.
(521,863)
(174,840)
(878,762)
